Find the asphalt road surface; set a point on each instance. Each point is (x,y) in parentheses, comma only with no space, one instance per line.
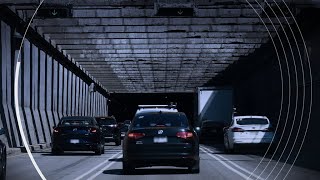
(214,164)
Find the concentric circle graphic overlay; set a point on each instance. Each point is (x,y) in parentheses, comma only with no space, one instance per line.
(16,100)
(281,78)
(296,94)
(285,76)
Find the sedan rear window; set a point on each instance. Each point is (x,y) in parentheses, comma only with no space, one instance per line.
(107,121)
(160,120)
(248,121)
(76,122)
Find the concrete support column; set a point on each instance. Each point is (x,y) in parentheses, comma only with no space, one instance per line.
(26,70)
(55,91)
(43,95)
(73,95)
(68,91)
(6,111)
(35,94)
(49,92)
(60,90)
(65,88)
(87,101)
(77,100)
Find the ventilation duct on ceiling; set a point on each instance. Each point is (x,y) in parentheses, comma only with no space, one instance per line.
(176,8)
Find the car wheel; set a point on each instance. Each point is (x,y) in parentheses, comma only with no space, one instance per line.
(102,151)
(194,169)
(127,168)
(226,147)
(3,168)
(232,150)
(118,142)
(98,151)
(56,151)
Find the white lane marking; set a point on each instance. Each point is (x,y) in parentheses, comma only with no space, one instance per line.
(96,167)
(103,169)
(226,165)
(234,164)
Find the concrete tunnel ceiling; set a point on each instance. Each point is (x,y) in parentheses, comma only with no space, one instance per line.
(144,46)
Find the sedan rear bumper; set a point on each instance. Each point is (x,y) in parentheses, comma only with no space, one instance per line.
(168,159)
(76,147)
(161,159)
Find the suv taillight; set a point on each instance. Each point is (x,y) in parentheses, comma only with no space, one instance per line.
(184,135)
(93,130)
(135,135)
(56,130)
(237,129)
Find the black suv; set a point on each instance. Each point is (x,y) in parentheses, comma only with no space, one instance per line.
(160,139)
(110,130)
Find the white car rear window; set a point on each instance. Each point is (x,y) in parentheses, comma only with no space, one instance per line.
(249,121)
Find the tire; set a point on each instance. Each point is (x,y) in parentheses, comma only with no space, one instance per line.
(56,151)
(127,168)
(118,142)
(102,151)
(195,168)
(4,168)
(98,151)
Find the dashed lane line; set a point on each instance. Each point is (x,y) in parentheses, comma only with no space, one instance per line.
(103,169)
(97,166)
(234,164)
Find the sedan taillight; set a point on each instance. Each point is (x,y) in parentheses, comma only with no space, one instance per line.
(184,135)
(93,130)
(56,130)
(237,129)
(135,135)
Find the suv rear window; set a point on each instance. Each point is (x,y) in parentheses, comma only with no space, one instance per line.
(160,120)
(106,121)
(249,121)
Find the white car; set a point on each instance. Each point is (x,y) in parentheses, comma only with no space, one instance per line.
(247,130)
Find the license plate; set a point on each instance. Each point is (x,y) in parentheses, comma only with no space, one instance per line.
(74,141)
(160,139)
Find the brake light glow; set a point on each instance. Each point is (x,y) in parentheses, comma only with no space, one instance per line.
(184,135)
(135,135)
(55,130)
(93,130)
(237,129)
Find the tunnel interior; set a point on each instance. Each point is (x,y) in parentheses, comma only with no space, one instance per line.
(105,58)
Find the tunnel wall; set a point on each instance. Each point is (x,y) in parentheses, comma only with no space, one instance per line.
(261,94)
(47,92)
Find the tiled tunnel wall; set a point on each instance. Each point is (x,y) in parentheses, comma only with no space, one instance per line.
(47,92)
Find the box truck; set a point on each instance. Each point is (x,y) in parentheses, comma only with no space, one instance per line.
(213,111)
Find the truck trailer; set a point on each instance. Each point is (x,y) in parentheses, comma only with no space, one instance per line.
(213,111)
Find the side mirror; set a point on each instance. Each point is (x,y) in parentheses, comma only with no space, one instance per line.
(2,131)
